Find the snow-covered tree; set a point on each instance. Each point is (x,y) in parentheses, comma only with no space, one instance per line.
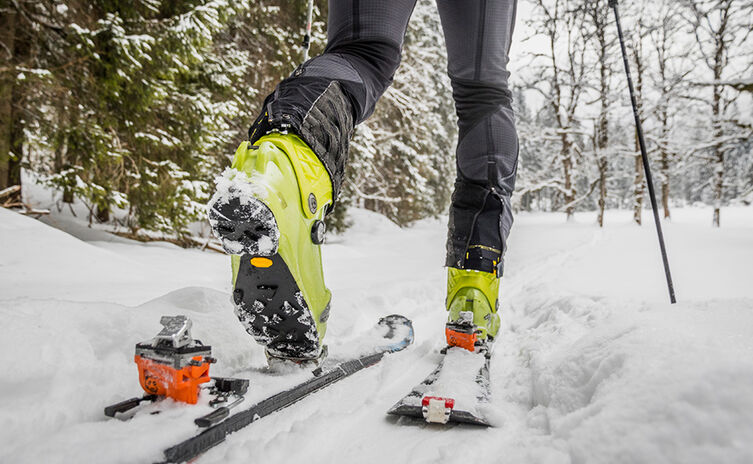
(669,83)
(560,77)
(603,39)
(722,29)
(134,101)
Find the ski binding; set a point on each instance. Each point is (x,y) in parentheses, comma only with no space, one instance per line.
(174,365)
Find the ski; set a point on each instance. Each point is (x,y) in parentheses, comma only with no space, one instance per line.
(456,391)
(398,335)
(224,393)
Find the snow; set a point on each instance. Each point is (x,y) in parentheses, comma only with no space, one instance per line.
(237,185)
(233,183)
(592,363)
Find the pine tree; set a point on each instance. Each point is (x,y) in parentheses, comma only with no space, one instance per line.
(136,106)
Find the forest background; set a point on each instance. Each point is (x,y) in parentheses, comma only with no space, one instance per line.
(133,107)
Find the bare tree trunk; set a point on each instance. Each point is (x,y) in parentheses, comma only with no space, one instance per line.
(567,173)
(7,82)
(638,190)
(718,154)
(661,48)
(638,184)
(602,189)
(718,132)
(665,183)
(665,154)
(16,139)
(663,151)
(22,52)
(599,17)
(67,114)
(602,141)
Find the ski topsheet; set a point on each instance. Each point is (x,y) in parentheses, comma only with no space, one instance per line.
(398,335)
(456,391)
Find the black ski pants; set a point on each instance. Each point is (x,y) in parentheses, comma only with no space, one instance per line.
(328,95)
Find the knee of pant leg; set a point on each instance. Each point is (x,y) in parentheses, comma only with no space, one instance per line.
(487,139)
(488,152)
(375,61)
(475,99)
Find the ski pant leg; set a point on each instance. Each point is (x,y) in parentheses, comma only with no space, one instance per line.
(325,97)
(478,35)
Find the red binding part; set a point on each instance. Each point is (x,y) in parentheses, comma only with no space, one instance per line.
(448,402)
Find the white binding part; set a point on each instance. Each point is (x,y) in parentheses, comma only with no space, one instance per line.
(436,411)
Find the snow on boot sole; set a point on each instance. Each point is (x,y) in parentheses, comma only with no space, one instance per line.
(246,226)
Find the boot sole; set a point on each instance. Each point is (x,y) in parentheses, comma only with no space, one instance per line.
(268,301)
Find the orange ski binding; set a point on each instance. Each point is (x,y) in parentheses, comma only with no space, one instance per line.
(173,364)
(462,333)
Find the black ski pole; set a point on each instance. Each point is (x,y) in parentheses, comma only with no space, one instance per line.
(307,38)
(642,143)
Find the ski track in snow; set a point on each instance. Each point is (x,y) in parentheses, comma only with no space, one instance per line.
(592,364)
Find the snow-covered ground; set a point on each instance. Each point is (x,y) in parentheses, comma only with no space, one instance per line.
(592,363)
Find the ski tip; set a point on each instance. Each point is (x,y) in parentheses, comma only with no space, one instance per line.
(395,322)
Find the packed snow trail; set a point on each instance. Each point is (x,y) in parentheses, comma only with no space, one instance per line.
(592,364)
